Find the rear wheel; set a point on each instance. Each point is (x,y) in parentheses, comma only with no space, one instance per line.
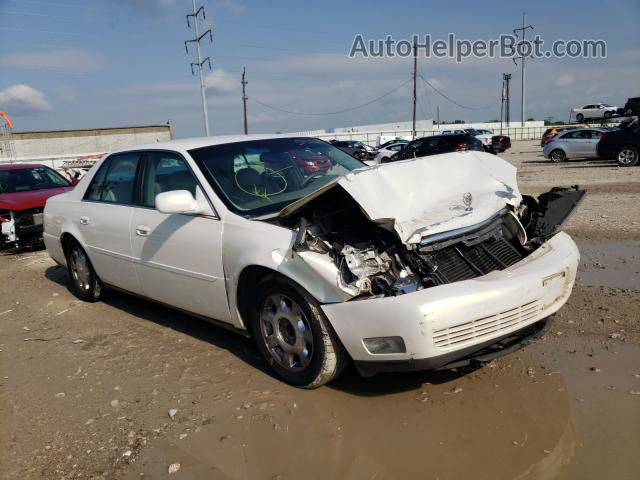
(607,114)
(627,156)
(558,156)
(579,117)
(294,336)
(85,283)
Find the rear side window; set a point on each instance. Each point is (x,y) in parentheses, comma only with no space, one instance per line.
(115,181)
(165,172)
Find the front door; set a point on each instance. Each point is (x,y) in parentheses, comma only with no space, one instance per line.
(178,256)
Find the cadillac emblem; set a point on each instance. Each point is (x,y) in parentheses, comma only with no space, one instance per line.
(467,199)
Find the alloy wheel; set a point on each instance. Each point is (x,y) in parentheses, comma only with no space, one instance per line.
(80,270)
(286,332)
(626,156)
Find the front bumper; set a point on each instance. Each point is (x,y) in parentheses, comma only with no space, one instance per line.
(451,321)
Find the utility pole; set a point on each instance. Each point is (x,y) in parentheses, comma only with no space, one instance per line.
(415,73)
(522,59)
(505,106)
(200,63)
(244,100)
(438,115)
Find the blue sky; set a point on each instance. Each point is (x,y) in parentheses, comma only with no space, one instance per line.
(101,63)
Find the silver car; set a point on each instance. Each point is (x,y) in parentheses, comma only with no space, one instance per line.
(578,143)
(594,110)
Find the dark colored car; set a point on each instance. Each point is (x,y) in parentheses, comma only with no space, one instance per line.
(632,107)
(437,144)
(310,162)
(500,143)
(352,147)
(24,190)
(623,145)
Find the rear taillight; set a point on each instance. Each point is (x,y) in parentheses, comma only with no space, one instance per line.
(460,147)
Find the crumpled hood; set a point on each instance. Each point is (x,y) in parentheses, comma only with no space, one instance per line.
(424,196)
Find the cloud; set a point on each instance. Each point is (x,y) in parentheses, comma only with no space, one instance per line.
(220,81)
(20,98)
(565,80)
(67,60)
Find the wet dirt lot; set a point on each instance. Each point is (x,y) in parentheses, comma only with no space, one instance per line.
(125,388)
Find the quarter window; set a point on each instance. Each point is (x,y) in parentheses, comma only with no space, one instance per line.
(165,172)
(115,181)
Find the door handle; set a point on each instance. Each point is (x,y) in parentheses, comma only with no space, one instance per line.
(84,220)
(142,230)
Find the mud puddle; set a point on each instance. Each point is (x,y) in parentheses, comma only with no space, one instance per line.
(518,418)
(610,264)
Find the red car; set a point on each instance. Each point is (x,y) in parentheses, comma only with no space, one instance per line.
(310,162)
(24,190)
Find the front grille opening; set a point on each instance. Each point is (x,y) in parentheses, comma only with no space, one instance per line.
(468,259)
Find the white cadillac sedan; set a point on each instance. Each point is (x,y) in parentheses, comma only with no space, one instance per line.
(419,264)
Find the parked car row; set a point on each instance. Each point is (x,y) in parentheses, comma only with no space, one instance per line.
(621,144)
(323,268)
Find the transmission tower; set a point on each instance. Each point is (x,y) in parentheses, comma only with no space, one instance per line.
(201,62)
(522,59)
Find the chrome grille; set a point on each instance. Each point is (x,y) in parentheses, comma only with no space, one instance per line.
(486,326)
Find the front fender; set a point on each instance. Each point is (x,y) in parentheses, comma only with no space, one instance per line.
(248,243)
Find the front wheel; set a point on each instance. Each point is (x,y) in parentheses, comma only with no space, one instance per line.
(558,156)
(607,114)
(294,336)
(627,156)
(85,283)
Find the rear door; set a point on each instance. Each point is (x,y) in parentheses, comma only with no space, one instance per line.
(178,256)
(104,219)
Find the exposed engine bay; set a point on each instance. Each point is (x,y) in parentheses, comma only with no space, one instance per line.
(368,259)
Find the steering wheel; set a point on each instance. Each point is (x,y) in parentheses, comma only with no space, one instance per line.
(313,176)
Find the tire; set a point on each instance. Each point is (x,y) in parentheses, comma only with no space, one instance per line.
(285,316)
(384,160)
(607,115)
(558,156)
(580,117)
(627,156)
(84,282)
(629,111)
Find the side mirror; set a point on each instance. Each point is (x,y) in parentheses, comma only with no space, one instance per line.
(176,201)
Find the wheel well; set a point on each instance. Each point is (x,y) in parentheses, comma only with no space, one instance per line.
(249,278)
(66,240)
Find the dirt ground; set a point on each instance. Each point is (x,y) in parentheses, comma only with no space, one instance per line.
(126,389)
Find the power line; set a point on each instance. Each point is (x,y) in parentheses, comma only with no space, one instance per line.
(350,109)
(446,97)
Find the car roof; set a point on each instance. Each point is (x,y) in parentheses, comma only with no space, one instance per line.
(20,166)
(200,142)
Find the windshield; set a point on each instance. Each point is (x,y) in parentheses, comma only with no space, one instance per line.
(27,179)
(259,177)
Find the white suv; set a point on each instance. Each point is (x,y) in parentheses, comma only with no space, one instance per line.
(409,265)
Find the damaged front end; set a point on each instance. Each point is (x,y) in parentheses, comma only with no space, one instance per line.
(21,228)
(366,258)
